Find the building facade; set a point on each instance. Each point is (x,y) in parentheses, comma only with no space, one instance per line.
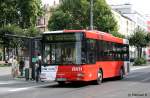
(125,25)
(42,22)
(128,11)
(148,22)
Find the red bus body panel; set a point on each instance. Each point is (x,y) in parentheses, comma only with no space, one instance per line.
(110,69)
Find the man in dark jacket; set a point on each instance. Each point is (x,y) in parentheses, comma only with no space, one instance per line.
(21,66)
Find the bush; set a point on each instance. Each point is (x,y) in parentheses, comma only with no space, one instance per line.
(140,61)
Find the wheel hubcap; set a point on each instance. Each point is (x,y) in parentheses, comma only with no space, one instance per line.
(99,76)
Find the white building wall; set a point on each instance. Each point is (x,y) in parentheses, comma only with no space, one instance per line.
(128,11)
(125,25)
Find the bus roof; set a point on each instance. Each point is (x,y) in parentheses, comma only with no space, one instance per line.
(63,31)
(94,34)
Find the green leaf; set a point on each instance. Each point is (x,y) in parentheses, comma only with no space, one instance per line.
(75,14)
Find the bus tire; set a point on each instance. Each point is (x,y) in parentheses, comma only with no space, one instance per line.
(99,79)
(61,82)
(121,74)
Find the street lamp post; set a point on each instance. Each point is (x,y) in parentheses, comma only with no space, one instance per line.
(91,14)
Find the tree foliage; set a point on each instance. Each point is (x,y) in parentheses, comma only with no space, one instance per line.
(139,39)
(103,17)
(17,31)
(21,12)
(32,32)
(8,12)
(148,38)
(11,29)
(29,10)
(116,34)
(75,14)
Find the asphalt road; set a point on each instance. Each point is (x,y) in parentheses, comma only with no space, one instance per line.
(135,85)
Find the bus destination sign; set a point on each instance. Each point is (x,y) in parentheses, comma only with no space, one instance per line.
(60,37)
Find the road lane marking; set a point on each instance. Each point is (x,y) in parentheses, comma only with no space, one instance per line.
(9,82)
(144,80)
(19,89)
(27,88)
(133,69)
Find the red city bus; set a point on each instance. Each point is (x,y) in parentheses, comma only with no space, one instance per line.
(83,55)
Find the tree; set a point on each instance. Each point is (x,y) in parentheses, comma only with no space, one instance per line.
(148,38)
(28,11)
(103,17)
(116,34)
(12,30)
(139,39)
(32,32)
(75,14)
(8,11)
(8,41)
(21,12)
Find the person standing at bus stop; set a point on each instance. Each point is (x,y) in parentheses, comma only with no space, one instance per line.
(27,68)
(38,67)
(21,66)
(14,66)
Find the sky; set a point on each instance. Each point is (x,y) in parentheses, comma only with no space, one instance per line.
(140,5)
(143,5)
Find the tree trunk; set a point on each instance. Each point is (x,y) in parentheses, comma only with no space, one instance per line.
(139,50)
(7,50)
(16,52)
(3,52)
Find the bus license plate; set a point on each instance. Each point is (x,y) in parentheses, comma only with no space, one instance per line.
(61,79)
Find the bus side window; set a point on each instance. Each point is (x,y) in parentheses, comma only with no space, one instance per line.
(91,48)
(125,52)
(83,52)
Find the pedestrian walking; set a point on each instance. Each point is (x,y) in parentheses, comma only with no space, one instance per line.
(14,66)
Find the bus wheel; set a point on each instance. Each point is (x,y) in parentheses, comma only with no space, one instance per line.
(121,74)
(61,82)
(99,78)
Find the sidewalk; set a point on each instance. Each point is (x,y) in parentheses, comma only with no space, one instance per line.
(2,62)
(5,71)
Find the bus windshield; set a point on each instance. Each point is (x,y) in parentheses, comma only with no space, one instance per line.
(62,51)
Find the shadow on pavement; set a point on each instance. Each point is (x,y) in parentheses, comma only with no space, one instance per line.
(78,84)
(68,85)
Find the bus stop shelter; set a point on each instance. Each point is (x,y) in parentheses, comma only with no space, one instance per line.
(28,49)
